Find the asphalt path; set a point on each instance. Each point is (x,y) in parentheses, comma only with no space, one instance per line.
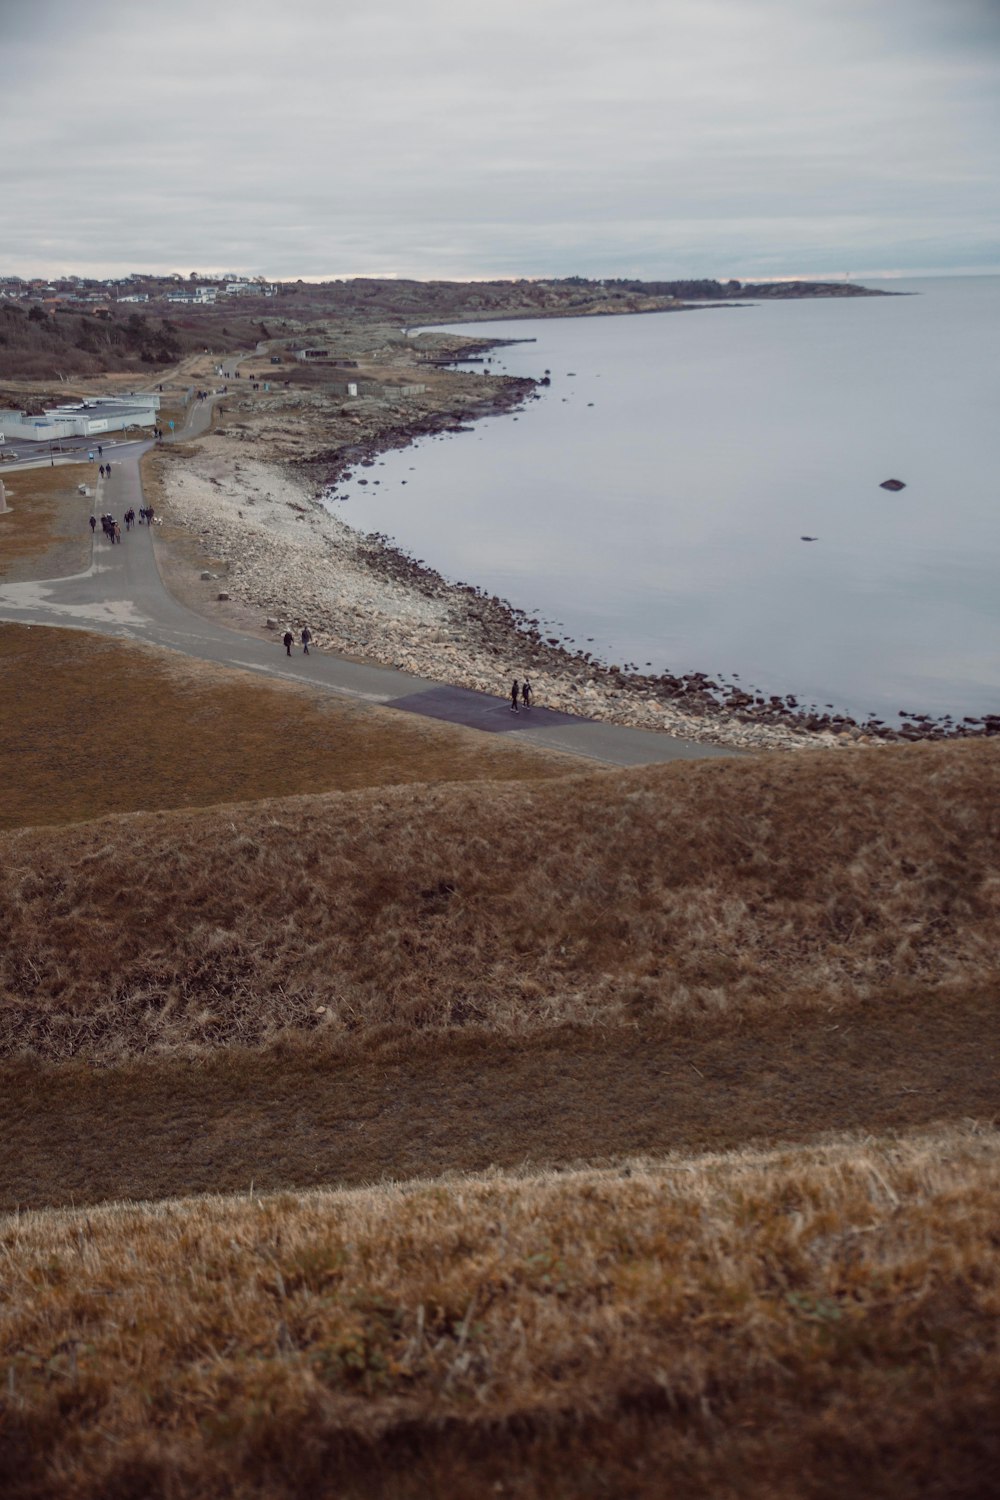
(122,594)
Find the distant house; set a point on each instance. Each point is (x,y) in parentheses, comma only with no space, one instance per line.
(199,296)
(304,356)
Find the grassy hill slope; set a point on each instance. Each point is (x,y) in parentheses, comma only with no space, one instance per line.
(732,889)
(799,1323)
(416,978)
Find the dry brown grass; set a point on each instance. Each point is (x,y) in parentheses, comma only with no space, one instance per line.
(801,1323)
(733,889)
(306,1112)
(96,726)
(45,534)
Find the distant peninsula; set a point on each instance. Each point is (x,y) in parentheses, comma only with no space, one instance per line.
(80,326)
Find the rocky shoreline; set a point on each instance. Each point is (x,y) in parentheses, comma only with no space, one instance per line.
(287,558)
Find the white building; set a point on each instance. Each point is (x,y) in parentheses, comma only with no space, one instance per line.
(81,418)
(199,296)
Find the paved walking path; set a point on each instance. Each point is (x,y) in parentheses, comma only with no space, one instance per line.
(122,594)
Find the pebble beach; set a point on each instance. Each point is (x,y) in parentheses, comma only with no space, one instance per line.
(284,556)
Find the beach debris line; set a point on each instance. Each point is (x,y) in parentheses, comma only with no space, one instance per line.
(892,484)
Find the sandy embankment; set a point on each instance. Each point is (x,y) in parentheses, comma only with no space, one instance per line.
(290,561)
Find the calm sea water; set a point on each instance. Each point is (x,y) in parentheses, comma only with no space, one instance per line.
(651,506)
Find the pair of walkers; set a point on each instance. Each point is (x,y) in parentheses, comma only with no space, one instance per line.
(520,691)
(305,637)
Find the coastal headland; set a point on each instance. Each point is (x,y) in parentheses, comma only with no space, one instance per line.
(251,503)
(259,495)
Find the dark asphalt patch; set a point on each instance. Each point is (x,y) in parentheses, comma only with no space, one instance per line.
(478,710)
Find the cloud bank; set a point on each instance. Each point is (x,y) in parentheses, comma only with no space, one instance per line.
(444,139)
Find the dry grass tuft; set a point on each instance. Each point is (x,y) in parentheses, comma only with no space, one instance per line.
(798,1323)
(725,889)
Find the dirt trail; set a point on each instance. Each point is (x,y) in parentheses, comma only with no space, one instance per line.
(165,1128)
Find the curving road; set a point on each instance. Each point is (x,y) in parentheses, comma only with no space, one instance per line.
(122,594)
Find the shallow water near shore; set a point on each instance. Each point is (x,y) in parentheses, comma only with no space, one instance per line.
(651,506)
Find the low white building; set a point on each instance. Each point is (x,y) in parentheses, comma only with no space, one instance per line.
(81,418)
(199,296)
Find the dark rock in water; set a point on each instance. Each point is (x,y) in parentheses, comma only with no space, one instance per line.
(892,484)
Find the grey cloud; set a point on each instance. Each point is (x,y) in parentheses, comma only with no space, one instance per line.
(668,136)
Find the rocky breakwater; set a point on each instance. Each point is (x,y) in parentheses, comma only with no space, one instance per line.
(482,641)
(328,466)
(291,563)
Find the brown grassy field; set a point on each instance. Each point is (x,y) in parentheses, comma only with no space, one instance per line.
(722,889)
(806,1323)
(102,726)
(419,978)
(45,533)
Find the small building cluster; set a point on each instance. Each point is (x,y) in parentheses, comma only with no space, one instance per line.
(98,295)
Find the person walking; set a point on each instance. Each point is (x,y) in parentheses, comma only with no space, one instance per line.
(514,694)
(526,693)
(288,638)
(306,638)
(93,525)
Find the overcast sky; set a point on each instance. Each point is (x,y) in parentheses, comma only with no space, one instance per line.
(459,138)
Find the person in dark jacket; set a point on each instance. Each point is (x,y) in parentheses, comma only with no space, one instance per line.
(288,638)
(306,638)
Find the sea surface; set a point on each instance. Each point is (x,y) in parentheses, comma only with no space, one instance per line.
(651,507)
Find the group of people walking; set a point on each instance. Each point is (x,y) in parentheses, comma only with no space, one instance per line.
(521,693)
(111,528)
(305,636)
